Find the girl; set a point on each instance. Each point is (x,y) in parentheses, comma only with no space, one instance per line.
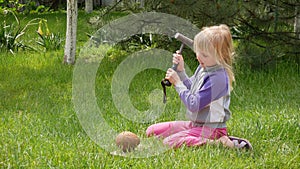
(206,94)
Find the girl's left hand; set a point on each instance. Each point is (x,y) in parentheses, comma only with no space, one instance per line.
(172,76)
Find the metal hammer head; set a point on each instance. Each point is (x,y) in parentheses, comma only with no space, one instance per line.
(185,40)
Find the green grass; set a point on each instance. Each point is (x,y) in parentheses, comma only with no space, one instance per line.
(40,129)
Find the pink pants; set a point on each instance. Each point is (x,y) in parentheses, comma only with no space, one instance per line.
(176,133)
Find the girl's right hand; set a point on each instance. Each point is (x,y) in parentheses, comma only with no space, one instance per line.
(178,59)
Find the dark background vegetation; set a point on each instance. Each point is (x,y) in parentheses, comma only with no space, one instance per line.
(263,30)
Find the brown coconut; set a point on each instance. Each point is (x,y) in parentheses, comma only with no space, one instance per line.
(127,141)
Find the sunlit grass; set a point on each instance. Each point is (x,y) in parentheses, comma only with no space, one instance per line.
(39,127)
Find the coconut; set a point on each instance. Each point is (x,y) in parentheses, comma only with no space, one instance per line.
(127,141)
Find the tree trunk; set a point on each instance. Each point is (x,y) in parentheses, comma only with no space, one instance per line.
(142,3)
(88,6)
(297,22)
(70,46)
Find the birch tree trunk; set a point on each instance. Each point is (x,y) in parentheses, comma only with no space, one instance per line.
(88,6)
(297,22)
(142,3)
(70,46)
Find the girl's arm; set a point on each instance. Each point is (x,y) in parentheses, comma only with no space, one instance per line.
(187,81)
(213,88)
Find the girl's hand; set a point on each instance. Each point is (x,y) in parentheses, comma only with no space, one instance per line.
(178,59)
(172,76)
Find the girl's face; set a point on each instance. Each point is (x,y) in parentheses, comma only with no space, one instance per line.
(205,59)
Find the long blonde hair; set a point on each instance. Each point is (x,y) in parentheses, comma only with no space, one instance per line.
(217,41)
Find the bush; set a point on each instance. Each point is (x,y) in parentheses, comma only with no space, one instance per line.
(29,6)
(265,29)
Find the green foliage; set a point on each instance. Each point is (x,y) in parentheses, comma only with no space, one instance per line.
(16,35)
(52,41)
(141,42)
(266,26)
(12,5)
(48,40)
(29,6)
(11,33)
(129,5)
(202,13)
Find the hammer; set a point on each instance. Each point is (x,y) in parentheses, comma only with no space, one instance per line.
(184,41)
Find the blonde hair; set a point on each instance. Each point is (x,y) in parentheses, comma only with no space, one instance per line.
(217,41)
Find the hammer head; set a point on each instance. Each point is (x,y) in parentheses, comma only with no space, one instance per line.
(185,40)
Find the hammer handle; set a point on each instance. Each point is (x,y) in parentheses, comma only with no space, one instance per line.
(174,66)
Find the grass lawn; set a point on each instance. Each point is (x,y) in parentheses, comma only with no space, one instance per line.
(39,127)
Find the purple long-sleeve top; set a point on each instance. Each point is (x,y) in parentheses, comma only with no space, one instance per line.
(206,96)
